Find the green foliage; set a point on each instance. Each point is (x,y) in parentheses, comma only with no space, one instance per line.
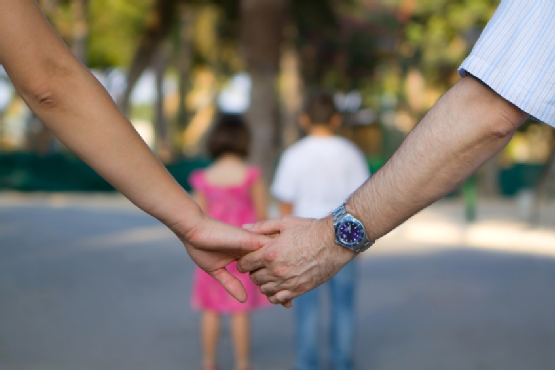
(338,49)
(441,33)
(115,26)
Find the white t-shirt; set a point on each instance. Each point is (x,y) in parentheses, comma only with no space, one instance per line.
(317,174)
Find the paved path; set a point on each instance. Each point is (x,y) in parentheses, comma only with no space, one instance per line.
(91,283)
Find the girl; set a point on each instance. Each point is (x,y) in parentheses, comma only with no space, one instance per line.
(230,191)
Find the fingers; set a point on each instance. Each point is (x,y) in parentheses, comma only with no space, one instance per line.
(283,297)
(266,227)
(252,261)
(216,235)
(254,241)
(248,241)
(262,276)
(287,304)
(230,283)
(272,289)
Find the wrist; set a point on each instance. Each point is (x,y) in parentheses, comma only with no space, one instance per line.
(343,255)
(186,221)
(357,210)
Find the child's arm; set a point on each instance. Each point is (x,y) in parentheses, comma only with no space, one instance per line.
(259,198)
(285,208)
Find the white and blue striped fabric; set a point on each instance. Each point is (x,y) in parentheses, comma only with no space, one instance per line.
(515,56)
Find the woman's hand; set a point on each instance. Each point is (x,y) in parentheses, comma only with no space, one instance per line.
(213,245)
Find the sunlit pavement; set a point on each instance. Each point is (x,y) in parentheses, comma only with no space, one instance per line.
(89,282)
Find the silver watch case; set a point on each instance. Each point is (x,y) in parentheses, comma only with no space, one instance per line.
(341,216)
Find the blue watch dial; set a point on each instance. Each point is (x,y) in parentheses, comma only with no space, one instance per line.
(350,232)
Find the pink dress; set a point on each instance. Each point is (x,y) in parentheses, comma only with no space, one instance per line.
(232,205)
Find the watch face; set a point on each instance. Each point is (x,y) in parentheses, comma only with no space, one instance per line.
(350,233)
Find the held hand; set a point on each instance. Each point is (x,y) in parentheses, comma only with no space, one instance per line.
(302,257)
(213,245)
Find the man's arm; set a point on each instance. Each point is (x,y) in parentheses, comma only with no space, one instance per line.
(77,109)
(465,128)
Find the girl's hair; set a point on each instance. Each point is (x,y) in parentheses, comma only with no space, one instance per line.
(230,135)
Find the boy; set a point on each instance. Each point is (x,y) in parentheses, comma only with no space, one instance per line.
(314,176)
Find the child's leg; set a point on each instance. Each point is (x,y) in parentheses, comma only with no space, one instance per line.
(210,332)
(240,329)
(342,324)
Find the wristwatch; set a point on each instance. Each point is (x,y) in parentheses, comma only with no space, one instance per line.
(349,232)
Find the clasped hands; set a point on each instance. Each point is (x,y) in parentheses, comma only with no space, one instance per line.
(302,256)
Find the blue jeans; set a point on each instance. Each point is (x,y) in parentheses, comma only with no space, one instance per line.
(307,310)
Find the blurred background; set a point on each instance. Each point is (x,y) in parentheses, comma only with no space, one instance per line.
(465,284)
(171,64)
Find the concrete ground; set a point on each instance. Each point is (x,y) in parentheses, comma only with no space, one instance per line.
(89,282)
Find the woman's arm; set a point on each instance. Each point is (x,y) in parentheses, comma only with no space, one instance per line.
(200,199)
(75,107)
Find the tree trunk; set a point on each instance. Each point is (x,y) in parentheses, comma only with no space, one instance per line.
(489,186)
(158,26)
(291,89)
(262,23)
(547,176)
(161,130)
(184,69)
(80,9)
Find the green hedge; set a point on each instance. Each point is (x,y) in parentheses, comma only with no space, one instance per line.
(66,172)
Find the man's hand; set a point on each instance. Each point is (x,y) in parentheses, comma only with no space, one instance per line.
(213,245)
(302,257)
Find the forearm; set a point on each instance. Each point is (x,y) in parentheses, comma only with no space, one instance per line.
(78,110)
(468,126)
(285,208)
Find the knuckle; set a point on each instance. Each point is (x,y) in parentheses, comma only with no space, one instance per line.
(271,255)
(283,297)
(287,219)
(280,272)
(267,289)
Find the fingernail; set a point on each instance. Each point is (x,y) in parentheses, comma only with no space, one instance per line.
(248,226)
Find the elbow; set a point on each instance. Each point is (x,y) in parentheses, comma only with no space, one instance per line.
(44,96)
(507,118)
(46,88)
(499,117)
(501,129)
(504,119)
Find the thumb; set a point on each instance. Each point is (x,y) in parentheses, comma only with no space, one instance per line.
(266,227)
(230,283)
(252,241)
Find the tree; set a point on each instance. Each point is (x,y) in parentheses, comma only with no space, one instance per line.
(159,24)
(547,177)
(262,24)
(80,9)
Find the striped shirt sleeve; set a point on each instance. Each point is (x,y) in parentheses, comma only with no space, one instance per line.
(515,56)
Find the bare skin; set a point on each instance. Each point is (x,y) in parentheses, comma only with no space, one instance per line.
(465,128)
(77,109)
